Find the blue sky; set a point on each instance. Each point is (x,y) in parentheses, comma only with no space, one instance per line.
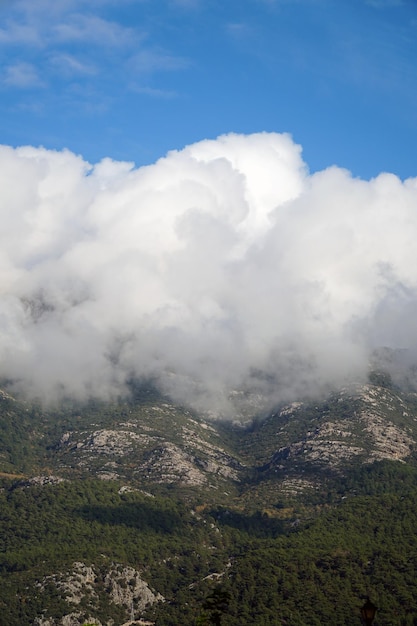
(235,254)
(132,79)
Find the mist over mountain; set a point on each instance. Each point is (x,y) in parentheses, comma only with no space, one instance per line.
(225,266)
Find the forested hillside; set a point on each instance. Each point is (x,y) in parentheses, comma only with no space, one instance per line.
(144,510)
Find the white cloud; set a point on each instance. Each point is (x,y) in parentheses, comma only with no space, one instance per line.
(239,30)
(187,4)
(381,4)
(72,39)
(17,33)
(94,30)
(222,266)
(154,92)
(22,75)
(69,65)
(148,61)
(62,24)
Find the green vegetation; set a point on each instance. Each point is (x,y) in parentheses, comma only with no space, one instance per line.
(314,571)
(295,542)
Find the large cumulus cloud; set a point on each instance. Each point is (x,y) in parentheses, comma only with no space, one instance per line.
(224,269)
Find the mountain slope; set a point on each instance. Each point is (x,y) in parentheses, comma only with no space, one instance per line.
(150,441)
(142,507)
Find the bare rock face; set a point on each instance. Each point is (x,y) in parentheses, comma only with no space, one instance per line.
(368,431)
(302,444)
(45,480)
(169,464)
(161,446)
(126,588)
(107,442)
(78,583)
(123,585)
(390,441)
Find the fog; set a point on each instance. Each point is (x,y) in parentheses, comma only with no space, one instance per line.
(225,273)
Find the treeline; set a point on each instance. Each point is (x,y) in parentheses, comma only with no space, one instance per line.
(316,571)
(364,543)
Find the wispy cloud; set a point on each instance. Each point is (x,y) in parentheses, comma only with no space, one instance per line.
(154,92)
(70,65)
(75,40)
(150,61)
(94,30)
(14,33)
(22,75)
(64,27)
(187,4)
(380,4)
(239,29)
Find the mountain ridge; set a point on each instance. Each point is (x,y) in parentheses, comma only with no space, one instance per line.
(189,497)
(151,441)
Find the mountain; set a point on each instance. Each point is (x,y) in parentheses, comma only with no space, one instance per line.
(138,511)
